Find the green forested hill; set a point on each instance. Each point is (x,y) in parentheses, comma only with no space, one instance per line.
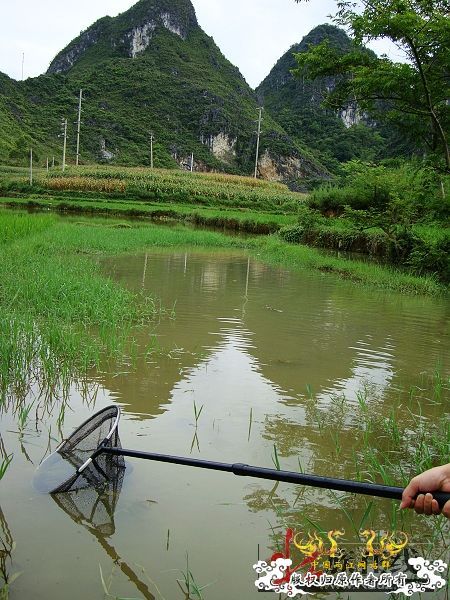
(296,103)
(151,68)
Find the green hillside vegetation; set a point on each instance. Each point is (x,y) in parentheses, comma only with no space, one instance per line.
(410,96)
(180,87)
(12,142)
(296,103)
(152,69)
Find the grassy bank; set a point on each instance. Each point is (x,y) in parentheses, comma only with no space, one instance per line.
(57,313)
(95,236)
(419,249)
(244,220)
(396,214)
(366,273)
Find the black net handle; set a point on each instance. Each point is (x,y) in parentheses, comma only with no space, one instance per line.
(340,485)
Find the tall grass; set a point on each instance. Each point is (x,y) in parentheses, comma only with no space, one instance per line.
(14,227)
(136,173)
(189,586)
(58,314)
(366,273)
(4,465)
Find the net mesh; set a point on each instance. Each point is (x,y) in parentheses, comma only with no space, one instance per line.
(93,508)
(82,444)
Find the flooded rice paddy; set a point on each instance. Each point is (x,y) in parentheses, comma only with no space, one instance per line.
(248,363)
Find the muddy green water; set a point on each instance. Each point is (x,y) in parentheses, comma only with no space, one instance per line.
(268,354)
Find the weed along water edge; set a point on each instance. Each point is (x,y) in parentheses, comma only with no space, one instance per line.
(221,356)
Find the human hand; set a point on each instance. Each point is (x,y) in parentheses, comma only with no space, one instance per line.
(433,480)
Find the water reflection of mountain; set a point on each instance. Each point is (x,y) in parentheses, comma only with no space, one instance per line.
(305,328)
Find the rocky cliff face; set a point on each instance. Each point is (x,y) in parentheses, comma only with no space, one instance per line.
(70,56)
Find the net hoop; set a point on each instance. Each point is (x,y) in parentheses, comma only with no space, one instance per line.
(74,457)
(92,418)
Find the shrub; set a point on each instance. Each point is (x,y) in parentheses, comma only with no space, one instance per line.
(431,258)
(417,190)
(292,234)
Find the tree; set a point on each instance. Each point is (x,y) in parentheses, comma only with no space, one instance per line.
(414,94)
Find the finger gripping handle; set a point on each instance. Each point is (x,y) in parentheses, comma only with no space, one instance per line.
(442,498)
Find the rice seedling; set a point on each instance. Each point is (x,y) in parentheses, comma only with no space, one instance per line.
(188,585)
(14,227)
(195,442)
(356,525)
(250,422)
(8,581)
(439,383)
(7,547)
(60,419)
(197,413)
(58,315)
(250,220)
(337,444)
(387,450)
(24,413)
(361,396)
(392,428)
(275,459)
(4,464)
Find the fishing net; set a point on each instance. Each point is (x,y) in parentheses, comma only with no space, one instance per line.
(92,507)
(59,472)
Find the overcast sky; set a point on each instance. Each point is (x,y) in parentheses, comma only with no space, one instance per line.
(252,34)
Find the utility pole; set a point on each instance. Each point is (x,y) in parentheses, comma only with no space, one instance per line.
(257,142)
(192,162)
(151,149)
(65,144)
(79,128)
(31,166)
(53,162)
(47,164)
